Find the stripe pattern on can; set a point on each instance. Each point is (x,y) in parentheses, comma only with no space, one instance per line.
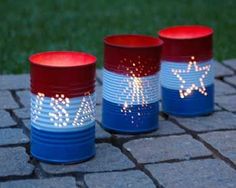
(60,113)
(130,101)
(126,90)
(187,77)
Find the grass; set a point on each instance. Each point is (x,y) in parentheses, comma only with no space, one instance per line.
(36,25)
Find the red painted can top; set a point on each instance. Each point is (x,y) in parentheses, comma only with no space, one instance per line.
(183,42)
(132,54)
(62,72)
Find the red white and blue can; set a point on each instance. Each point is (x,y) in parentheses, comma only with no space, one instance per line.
(62,106)
(187,70)
(130,83)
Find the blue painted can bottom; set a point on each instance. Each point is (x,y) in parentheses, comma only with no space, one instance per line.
(63,147)
(194,105)
(137,118)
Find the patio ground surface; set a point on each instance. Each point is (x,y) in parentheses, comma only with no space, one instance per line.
(184,152)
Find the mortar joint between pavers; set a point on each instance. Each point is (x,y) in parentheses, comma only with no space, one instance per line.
(218,154)
(215,152)
(13,177)
(229,67)
(80,178)
(115,142)
(232,85)
(19,123)
(41,173)
(143,136)
(16,98)
(180,160)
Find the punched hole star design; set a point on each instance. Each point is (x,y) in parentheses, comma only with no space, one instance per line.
(192,66)
(133,93)
(135,90)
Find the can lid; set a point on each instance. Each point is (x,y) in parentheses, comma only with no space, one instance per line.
(132,54)
(132,41)
(59,69)
(183,42)
(62,59)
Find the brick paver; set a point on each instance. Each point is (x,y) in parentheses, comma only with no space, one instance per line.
(133,178)
(221,70)
(14,162)
(63,182)
(6,120)
(223,88)
(183,152)
(208,173)
(99,113)
(150,150)
(23,113)
(12,136)
(231,80)
(227,102)
(216,121)
(99,94)
(24,97)
(108,158)
(7,101)
(230,63)
(14,82)
(224,142)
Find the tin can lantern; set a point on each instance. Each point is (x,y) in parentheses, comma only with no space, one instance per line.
(62,106)
(187,72)
(130,83)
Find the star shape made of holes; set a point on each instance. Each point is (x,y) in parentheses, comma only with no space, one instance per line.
(192,66)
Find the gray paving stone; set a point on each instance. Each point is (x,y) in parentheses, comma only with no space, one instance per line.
(221,70)
(208,173)
(99,113)
(217,108)
(24,97)
(99,94)
(224,142)
(14,81)
(101,133)
(6,120)
(149,150)
(22,113)
(108,158)
(14,162)
(165,128)
(99,75)
(231,63)
(127,179)
(97,82)
(12,136)
(216,121)
(222,88)
(7,101)
(26,123)
(227,102)
(231,80)
(59,182)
